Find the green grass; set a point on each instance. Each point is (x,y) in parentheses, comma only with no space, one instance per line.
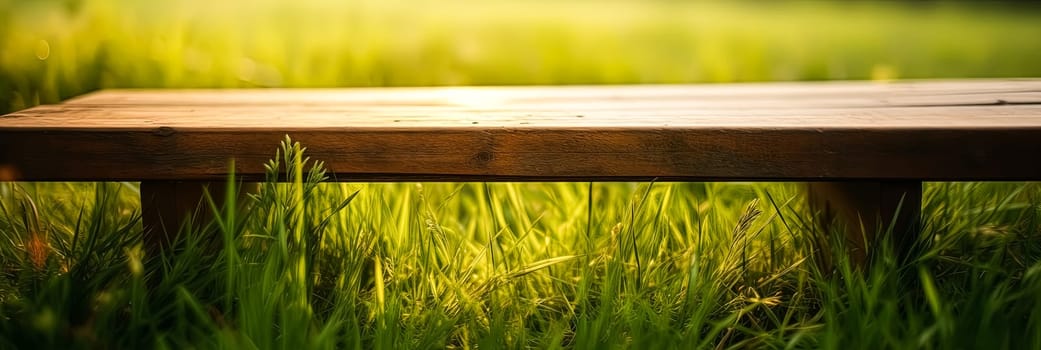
(506,265)
(512,265)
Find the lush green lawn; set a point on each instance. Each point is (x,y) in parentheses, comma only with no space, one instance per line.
(602,265)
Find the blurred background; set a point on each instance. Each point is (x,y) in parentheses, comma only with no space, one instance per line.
(55,49)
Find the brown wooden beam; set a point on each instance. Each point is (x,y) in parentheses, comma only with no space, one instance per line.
(866,209)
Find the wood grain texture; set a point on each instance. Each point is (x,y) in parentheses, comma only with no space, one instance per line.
(843,94)
(942,130)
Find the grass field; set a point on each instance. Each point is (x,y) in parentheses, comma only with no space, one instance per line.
(507,265)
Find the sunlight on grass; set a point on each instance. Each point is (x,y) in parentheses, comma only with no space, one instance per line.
(306,264)
(578,265)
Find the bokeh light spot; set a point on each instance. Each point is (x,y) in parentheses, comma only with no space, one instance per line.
(43,50)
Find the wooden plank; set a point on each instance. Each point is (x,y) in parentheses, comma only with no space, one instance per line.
(539,154)
(539,133)
(805,93)
(488,99)
(200,118)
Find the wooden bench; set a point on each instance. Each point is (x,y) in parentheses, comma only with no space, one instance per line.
(862,146)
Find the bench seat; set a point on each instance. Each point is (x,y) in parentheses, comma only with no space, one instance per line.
(890,135)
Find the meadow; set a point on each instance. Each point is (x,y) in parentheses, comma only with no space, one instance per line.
(311,264)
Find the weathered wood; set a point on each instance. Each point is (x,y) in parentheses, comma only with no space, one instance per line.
(812,95)
(865,210)
(534,154)
(649,115)
(946,130)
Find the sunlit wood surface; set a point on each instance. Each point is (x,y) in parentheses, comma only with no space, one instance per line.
(940,130)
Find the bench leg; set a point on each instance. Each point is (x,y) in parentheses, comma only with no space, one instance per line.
(865,208)
(167,205)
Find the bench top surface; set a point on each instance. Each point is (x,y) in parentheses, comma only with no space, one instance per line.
(970,129)
(935,104)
